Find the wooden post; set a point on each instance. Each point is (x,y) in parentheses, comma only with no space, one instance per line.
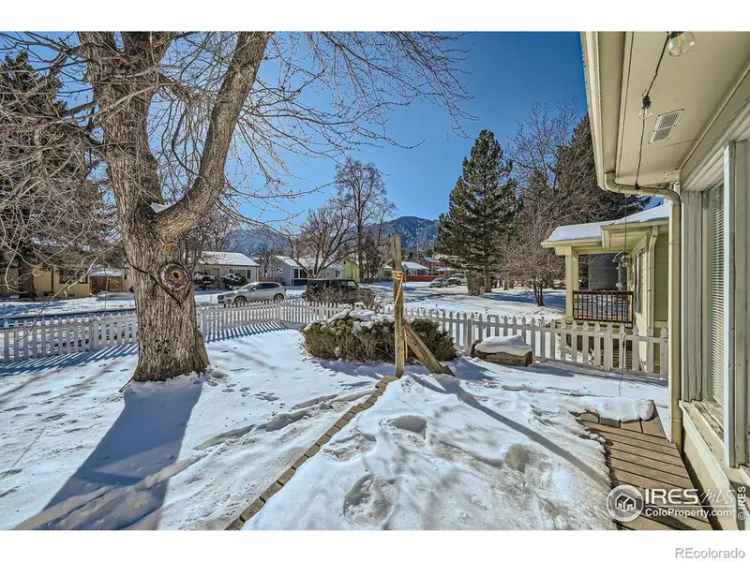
(398,306)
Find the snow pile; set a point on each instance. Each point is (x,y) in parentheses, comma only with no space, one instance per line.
(495,448)
(623,409)
(512,345)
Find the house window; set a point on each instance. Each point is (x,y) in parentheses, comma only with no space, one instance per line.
(71,276)
(715,295)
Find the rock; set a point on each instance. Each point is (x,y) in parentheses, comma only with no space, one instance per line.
(523,359)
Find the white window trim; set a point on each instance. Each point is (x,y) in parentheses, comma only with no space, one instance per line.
(736,271)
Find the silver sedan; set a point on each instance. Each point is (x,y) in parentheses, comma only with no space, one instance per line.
(259,291)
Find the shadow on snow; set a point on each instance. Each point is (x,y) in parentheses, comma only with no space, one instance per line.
(123,482)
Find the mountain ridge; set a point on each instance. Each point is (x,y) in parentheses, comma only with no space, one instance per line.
(416,233)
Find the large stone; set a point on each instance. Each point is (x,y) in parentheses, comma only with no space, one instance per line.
(502,358)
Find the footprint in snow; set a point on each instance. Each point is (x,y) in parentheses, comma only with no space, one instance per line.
(517,457)
(370,501)
(346,448)
(15,409)
(523,388)
(10,472)
(411,423)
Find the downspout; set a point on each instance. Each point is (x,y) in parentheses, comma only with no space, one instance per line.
(675,282)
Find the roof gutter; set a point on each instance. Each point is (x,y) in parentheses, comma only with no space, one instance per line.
(675,284)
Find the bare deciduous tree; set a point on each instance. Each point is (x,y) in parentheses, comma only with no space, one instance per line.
(327,236)
(167,112)
(362,191)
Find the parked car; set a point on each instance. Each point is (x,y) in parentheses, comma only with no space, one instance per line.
(258,291)
(203,280)
(345,291)
(447,282)
(233,280)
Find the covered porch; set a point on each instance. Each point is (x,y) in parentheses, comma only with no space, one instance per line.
(616,271)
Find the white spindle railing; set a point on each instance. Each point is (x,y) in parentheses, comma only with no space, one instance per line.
(599,346)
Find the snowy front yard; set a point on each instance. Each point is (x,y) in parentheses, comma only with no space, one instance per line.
(513,302)
(496,448)
(76,453)
(99,303)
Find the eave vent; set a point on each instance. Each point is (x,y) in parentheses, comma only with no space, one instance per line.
(664,125)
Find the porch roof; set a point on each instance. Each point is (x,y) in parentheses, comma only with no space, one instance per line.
(597,234)
(236,259)
(701,92)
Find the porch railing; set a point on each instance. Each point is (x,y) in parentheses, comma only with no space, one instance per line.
(603,306)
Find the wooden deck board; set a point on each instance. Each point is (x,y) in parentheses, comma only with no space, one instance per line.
(638,453)
(635,450)
(651,472)
(670,468)
(653,427)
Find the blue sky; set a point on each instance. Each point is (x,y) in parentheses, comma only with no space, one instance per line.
(507,73)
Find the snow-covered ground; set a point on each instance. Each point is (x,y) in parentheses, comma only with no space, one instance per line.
(77,453)
(100,303)
(513,302)
(495,448)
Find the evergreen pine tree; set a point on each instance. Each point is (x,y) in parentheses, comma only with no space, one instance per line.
(51,214)
(481,212)
(577,185)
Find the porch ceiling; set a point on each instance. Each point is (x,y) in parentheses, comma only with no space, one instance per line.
(619,68)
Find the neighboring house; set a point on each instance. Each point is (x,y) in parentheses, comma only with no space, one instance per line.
(290,271)
(103,278)
(287,271)
(343,269)
(616,271)
(51,282)
(411,268)
(690,144)
(220,265)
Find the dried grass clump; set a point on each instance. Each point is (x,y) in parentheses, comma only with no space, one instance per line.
(369,338)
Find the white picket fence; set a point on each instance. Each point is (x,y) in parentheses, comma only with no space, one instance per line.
(599,346)
(43,337)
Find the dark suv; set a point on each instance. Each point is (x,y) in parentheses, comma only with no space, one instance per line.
(338,290)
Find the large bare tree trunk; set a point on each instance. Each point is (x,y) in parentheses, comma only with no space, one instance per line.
(169,342)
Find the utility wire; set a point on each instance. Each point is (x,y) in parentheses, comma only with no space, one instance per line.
(646,104)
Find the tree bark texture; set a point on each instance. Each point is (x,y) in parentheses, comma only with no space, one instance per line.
(169,341)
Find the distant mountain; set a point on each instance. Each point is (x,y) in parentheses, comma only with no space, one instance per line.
(251,240)
(416,234)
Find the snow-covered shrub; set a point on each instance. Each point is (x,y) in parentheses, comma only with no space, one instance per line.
(363,335)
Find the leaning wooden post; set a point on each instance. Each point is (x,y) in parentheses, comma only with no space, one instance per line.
(398,306)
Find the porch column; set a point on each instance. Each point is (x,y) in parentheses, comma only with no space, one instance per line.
(571,280)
